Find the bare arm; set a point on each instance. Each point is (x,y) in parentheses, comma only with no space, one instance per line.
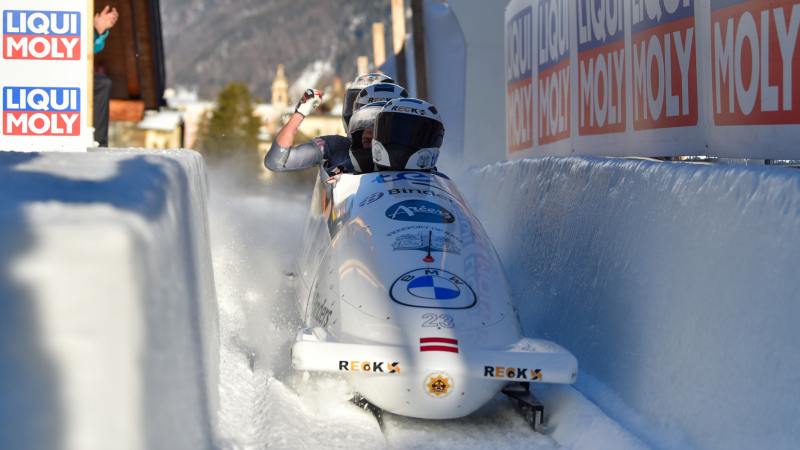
(286,134)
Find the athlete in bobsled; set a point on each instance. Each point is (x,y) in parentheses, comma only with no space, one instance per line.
(400,289)
(331,150)
(366,107)
(408,134)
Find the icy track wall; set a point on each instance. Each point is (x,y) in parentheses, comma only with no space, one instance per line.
(108,318)
(674,284)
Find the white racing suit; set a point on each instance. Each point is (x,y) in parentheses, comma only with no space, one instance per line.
(331,151)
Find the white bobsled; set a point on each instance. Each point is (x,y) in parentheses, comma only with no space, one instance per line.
(402,293)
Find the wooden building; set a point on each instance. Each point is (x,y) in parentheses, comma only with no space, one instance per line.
(133,58)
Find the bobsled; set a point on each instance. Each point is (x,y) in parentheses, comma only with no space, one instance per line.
(403,294)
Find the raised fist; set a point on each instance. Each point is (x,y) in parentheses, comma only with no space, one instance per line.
(311,99)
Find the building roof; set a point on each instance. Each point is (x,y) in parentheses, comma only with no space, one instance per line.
(161,121)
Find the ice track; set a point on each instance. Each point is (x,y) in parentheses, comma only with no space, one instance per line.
(265,403)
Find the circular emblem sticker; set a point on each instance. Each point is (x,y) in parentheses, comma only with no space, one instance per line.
(438,384)
(374,197)
(432,288)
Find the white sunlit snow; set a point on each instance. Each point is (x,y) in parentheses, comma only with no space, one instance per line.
(674,285)
(263,401)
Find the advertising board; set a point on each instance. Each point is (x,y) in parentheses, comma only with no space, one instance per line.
(44,75)
(652,78)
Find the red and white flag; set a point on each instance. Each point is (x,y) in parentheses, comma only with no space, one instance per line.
(436,344)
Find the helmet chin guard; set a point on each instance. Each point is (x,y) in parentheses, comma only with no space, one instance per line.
(422,159)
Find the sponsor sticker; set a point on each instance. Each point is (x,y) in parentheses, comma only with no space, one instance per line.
(431,192)
(397,176)
(42,35)
(432,288)
(438,384)
(517,373)
(41,111)
(369,366)
(425,241)
(371,199)
(320,311)
(420,211)
(435,229)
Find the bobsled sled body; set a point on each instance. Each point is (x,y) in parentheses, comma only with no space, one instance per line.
(402,293)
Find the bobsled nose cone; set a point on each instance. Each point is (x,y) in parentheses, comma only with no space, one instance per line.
(429,394)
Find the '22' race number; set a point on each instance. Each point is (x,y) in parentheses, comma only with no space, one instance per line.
(443,320)
(410,176)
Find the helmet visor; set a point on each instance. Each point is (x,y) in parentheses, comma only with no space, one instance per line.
(364,118)
(349,97)
(406,129)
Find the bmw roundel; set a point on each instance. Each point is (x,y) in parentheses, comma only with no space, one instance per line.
(419,211)
(433,288)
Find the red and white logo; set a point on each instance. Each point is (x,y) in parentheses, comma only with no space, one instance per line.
(41,111)
(437,344)
(42,35)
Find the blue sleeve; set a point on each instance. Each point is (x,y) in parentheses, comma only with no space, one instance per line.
(100,41)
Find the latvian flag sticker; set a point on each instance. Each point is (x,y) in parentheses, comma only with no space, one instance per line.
(435,344)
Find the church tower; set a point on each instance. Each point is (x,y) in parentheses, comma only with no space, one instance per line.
(280,90)
(280,99)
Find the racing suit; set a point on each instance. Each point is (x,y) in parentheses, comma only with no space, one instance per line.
(332,151)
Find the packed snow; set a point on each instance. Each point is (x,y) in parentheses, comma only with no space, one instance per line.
(108,324)
(255,235)
(672,283)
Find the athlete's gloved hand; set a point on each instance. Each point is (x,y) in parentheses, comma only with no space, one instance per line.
(311,99)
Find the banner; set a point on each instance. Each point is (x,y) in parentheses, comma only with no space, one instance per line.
(652,78)
(44,75)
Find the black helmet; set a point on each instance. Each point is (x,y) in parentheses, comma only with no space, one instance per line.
(363,119)
(355,87)
(408,134)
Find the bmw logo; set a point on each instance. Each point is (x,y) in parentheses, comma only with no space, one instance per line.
(433,288)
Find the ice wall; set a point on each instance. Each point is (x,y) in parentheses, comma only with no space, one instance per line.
(674,284)
(108,318)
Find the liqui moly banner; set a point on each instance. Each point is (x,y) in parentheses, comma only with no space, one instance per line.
(653,78)
(44,75)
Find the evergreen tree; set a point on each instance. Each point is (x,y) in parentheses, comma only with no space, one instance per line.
(232,129)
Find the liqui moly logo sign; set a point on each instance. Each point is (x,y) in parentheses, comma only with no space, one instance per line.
(664,60)
(41,111)
(519,80)
(601,66)
(754,60)
(41,35)
(553,109)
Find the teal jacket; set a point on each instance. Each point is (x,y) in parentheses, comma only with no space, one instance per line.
(100,41)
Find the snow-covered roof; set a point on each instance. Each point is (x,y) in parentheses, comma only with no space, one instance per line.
(161,121)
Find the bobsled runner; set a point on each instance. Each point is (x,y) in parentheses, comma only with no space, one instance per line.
(402,293)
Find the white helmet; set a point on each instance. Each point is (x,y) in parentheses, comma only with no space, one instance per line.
(408,134)
(379,92)
(355,87)
(362,120)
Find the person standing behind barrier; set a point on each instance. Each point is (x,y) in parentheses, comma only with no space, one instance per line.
(103,22)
